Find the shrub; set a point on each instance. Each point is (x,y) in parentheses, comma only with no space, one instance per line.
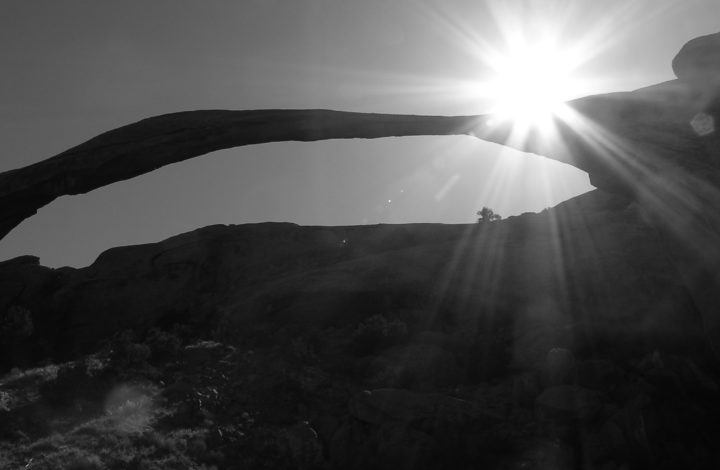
(5,401)
(84,461)
(377,333)
(124,352)
(163,344)
(488,215)
(74,383)
(15,325)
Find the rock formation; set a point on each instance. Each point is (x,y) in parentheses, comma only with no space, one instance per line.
(657,146)
(699,60)
(562,339)
(588,274)
(625,141)
(576,337)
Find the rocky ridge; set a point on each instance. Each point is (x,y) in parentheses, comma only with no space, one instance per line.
(589,271)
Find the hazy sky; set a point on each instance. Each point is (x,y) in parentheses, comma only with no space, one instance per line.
(72,69)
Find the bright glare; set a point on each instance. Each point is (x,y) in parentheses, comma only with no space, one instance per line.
(530,84)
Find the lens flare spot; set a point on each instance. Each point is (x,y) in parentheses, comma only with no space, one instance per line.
(703,124)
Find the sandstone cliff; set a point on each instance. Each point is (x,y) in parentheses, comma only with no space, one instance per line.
(590,273)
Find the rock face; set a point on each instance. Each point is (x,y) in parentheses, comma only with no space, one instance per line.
(699,59)
(378,406)
(508,289)
(564,403)
(634,143)
(630,269)
(149,144)
(657,146)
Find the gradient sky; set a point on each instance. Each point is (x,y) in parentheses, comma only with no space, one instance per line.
(72,69)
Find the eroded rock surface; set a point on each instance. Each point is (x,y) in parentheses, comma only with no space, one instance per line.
(657,146)
(635,143)
(699,59)
(589,274)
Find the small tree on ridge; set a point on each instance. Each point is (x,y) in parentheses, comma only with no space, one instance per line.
(487,215)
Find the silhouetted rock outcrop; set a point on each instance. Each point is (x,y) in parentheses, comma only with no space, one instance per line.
(151,143)
(699,60)
(586,275)
(633,142)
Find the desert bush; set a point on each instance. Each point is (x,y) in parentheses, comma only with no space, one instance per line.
(377,333)
(74,384)
(84,461)
(66,457)
(5,401)
(488,215)
(163,344)
(125,352)
(63,389)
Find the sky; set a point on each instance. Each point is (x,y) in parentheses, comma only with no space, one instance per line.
(72,69)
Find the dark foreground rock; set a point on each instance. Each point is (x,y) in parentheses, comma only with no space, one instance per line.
(282,402)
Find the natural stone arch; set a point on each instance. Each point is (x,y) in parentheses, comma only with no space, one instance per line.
(644,144)
(657,146)
(149,144)
(639,143)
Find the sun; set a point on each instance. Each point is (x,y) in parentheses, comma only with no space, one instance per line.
(529,84)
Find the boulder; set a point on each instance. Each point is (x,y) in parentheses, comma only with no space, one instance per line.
(416,366)
(559,366)
(545,453)
(205,352)
(678,372)
(699,59)
(597,374)
(526,387)
(568,404)
(402,447)
(405,429)
(302,446)
(634,431)
(382,405)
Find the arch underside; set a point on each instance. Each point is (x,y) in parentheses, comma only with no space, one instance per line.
(619,139)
